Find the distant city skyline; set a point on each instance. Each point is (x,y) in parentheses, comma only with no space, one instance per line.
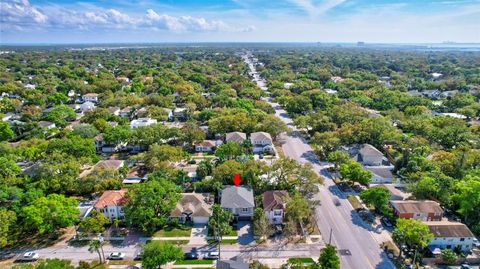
(102,21)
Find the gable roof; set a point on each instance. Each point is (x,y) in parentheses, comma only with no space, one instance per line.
(109,164)
(413,206)
(111,198)
(274,200)
(194,204)
(369,150)
(449,229)
(384,172)
(237,197)
(260,136)
(206,143)
(236,137)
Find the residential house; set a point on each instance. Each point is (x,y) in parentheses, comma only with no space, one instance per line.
(274,205)
(261,142)
(380,174)
(369,155)
(111,204)
(87,106)
(193,207)
(114,110)
(180,113)
(141,122)
(238,200)
(105,147)
(237,137)
(125,112)
(425,210)
(90,97)
(8,116)
(109,164)
(205,146)
(450,235)
(46,124)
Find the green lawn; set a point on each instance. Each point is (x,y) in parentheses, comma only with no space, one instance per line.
(184,262)
(175,242)
(232,233)
(173,232)
(300,260)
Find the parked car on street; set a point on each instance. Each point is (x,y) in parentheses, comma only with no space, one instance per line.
(29,256)
(116,256)
(212,255)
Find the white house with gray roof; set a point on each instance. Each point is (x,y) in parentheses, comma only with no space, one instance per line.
(238,200)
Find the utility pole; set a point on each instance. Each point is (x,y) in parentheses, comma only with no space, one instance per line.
(330,239)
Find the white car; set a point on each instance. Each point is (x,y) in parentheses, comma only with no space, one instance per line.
(476,243)
(116,256)
(30,256)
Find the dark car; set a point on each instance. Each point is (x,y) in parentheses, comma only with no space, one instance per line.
(192,255)
(387,222)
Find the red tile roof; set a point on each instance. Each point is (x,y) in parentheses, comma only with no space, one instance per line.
(116,198)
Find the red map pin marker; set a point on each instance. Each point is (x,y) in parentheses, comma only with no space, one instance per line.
(236,179)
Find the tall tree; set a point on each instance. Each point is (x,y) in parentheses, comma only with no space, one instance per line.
(95,223)
(6,132)
(219,222)
(158,253)
(49,213)
(150,204)
(412,232)
(376,197)
(329,258)
(261,225)
(354,171)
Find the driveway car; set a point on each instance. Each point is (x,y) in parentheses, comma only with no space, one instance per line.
(386,222)
(192,255)
(116,256)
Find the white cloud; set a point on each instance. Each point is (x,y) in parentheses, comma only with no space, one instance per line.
(20,13)
(189,23)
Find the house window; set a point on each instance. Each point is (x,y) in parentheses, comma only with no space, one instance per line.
(462,239)
(277,213)
(245,209)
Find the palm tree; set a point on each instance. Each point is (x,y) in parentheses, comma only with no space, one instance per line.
(96,245)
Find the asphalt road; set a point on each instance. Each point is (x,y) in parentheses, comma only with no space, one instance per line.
(357,246)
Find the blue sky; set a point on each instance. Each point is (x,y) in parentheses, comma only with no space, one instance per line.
(109,21)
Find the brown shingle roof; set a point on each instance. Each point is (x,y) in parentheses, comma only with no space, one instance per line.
(111,198)
(449,229)
(412,206)
(260,136)
(194,204)
(369,150)
(238,137)
(274,200)
(206,143)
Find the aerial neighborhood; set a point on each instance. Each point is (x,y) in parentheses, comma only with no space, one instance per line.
(198,155)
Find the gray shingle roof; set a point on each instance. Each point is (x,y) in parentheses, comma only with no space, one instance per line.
(369,150)
(237,197)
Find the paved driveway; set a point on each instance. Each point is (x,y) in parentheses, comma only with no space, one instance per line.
(245,233)
(199,235)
